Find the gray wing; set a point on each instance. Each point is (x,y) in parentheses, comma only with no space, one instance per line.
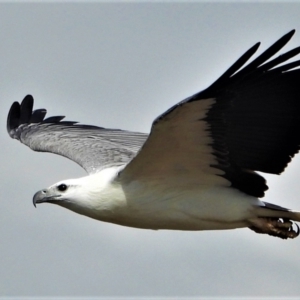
(93,148)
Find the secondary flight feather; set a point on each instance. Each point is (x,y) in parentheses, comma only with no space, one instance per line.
(197,168)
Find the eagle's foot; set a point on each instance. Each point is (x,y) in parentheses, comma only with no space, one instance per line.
(279,227)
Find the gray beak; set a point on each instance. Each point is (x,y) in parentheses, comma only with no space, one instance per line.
(43,196)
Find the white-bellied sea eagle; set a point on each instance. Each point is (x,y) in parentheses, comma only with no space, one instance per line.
(196,168)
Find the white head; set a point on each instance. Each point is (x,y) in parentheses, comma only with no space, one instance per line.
(92,195)
(69,193)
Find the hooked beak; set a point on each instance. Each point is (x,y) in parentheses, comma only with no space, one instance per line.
(43,196)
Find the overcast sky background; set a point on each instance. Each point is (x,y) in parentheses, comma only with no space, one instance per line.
(121,65)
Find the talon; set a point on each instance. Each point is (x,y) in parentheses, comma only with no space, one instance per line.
(282,228)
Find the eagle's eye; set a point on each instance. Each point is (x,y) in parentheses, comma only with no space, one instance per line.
(62,187)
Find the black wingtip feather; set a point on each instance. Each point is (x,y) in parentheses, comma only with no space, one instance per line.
(26,109)
(290,34)
(38,115)
(235,67)
(55,119)
(13,119)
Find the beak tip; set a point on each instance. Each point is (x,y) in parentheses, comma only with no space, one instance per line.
(36,198)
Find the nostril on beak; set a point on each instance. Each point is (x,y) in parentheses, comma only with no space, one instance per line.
(44,191)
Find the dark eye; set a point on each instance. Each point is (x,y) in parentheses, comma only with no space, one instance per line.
(62,187)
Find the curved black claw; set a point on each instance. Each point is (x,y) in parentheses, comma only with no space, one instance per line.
(298,229)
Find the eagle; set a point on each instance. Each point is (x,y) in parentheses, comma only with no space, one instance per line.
(197,169)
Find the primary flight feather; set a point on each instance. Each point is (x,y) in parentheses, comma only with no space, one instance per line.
(196,169)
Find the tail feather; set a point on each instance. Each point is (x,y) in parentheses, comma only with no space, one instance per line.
(275,211)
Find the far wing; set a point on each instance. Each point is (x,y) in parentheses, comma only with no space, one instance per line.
(93,148)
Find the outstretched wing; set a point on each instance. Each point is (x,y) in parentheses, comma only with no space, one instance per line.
(246,121)
(93,148)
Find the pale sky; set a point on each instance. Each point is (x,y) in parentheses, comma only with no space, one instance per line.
(120,66)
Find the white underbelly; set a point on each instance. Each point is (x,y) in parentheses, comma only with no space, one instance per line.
(195,208)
